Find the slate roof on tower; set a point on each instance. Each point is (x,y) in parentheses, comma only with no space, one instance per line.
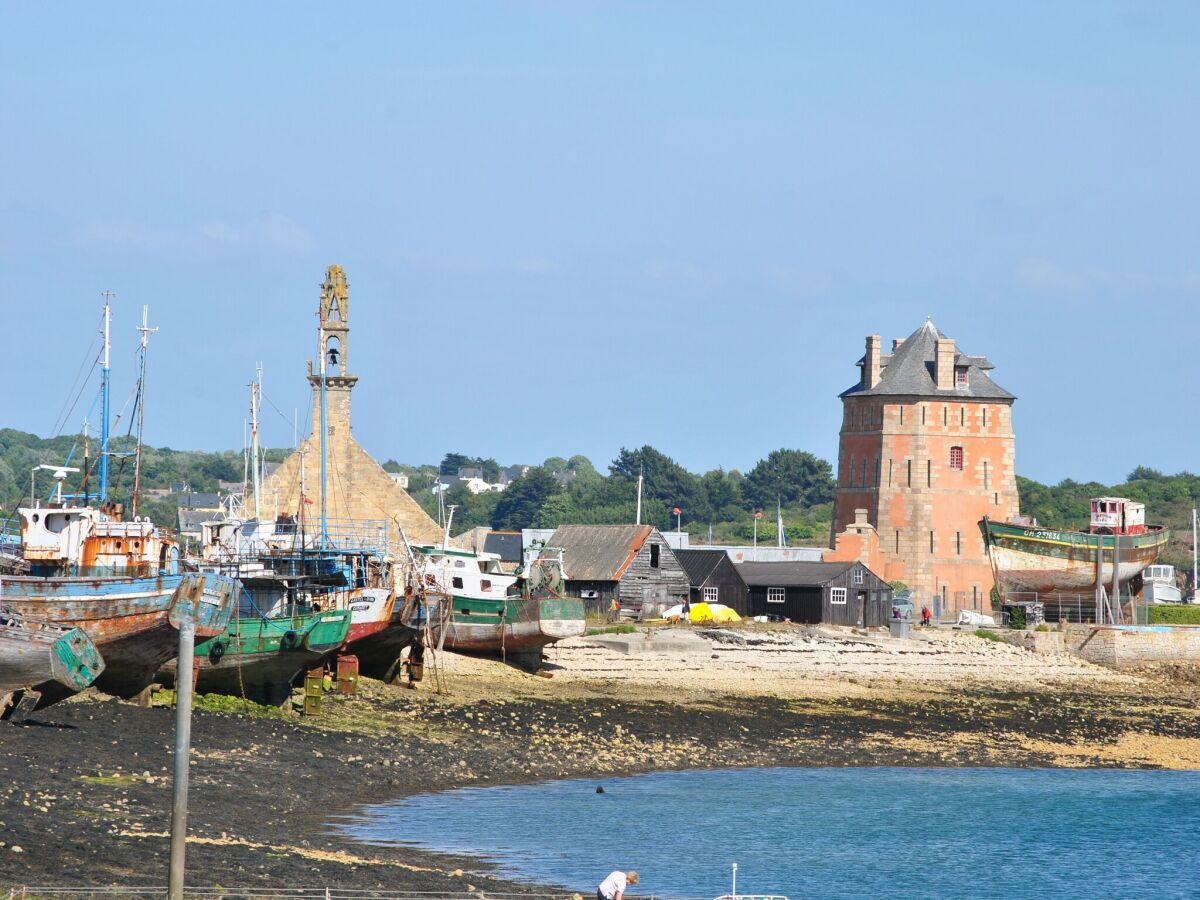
(909,371)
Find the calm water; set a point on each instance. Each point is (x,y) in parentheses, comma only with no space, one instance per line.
(828,832)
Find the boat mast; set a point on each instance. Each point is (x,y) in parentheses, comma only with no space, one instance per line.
(324,430)
(639,496)
(255,390)
(104,411)
(446,533)
(1195,587)
(146,331)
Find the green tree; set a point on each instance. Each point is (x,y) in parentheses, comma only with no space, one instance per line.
(523,499)
(789,476)
(664,480)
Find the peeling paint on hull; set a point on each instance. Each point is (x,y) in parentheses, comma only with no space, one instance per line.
(1029,558)
(529,626)
(132,621)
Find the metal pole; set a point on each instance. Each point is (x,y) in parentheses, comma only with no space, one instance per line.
(324,431)
(183,743)
(1194,574)
(735,881)
(1116,580)
(104,410)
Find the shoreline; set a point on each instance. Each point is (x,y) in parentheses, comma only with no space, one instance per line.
(88,785)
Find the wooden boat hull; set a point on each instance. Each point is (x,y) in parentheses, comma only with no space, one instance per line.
(132,621)
(370,613)
(260,659)
(36,657)
(1028,558)
(524,629)
(379,653)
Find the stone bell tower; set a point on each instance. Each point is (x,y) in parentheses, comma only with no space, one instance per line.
(333,340)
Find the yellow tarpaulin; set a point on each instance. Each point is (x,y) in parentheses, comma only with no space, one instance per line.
(702,612)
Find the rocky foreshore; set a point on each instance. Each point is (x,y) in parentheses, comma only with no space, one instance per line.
(86,796)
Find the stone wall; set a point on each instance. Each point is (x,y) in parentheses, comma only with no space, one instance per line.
(1130,646)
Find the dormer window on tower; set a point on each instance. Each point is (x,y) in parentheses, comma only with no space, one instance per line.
(960,378)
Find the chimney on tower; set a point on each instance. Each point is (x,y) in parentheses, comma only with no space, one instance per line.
(871,363)
(944,364)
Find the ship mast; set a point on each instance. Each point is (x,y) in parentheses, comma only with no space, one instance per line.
(324,431)
(255,391)
(104,411)
(146,331)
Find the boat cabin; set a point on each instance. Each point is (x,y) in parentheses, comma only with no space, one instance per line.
(1160,574)
(465,574)
(1116,515)
(82,540)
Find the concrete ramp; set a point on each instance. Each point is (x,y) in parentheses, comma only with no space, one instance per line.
(659,643)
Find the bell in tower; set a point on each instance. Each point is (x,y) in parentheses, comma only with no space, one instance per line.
(335,320)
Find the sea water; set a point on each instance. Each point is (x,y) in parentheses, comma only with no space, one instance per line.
(876,832)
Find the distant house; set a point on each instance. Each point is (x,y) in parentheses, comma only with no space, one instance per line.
(400,479)
(715,579)
(629,563)
(190,520)
(842,593)
(200,500)
(505,544)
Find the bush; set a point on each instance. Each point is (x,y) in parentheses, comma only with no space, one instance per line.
(1174,615)
(1042,627)
(1016,618)
(986,635)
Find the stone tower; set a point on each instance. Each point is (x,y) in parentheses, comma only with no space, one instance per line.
(358,489)
(926,451)
(333,345)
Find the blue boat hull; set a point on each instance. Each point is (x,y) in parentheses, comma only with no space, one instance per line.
(133,621)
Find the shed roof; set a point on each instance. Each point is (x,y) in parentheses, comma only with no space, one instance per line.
(505,543)
(792,574)
(909,371)
(599,552)
(699,563)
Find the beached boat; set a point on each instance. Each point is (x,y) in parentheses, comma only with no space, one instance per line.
(1159,585)
(492,612)
(120,582)
(1029,558)
(35,655)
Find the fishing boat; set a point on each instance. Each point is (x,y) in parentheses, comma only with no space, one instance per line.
(1159,585)
(511,616)
(121,583)
(1029,558)
(36,654)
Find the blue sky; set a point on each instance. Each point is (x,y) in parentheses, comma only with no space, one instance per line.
(571,227)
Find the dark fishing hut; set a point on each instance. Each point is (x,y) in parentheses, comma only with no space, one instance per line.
(715,579)
(834,593)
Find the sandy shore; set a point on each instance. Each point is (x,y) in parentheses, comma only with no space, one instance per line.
(86,787)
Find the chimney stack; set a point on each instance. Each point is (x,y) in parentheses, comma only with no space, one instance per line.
(871,365)
(943,366)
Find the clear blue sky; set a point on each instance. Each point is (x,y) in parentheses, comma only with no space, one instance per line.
(570,227)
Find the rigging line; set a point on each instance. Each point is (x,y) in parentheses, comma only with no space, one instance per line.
(276,408)
(67,412)
(92,351)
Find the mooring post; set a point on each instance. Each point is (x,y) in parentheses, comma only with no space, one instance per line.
(183,745)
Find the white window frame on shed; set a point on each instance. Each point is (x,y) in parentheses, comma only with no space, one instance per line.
(776,594)
(838,596)
(710,595)
(858,576)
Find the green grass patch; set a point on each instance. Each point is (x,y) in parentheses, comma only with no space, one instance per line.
(1174,615)
(110,780)
(614,629)
(222,703)
(987,635)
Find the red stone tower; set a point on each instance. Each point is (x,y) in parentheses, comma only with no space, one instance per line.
(927,450)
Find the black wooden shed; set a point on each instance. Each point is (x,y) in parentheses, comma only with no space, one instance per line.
(715,579)
(834,593)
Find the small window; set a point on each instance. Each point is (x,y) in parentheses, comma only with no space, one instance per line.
(958,542)
(710,595)
(654,551)
(460,564)
(837,595)
(983,413)
(960,376)
(956,458)
(776,595)
(456,582)
(485,584)
(858,576)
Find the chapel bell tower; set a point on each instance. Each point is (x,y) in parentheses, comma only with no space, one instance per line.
(333,340)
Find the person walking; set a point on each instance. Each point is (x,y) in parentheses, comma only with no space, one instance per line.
(613,887)
(925,616)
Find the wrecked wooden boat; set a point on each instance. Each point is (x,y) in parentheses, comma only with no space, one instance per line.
(121,583)
(36,654)
(514,617)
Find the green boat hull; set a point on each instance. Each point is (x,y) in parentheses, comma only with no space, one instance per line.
(515,628)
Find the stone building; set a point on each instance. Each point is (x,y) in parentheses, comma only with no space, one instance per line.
(357,487)
(927,450)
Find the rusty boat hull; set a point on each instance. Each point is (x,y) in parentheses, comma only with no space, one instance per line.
(411,620)
(132,621)
(517,631)
(1029,558)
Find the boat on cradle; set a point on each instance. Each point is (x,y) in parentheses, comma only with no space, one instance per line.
(1029,558)
(121,583)
(491,612)
(36,654)
(1159,586)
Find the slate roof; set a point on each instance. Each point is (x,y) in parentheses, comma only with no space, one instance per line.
(190,520)
(909,371)
(791,574)
(599,552)
(506,543)
(699,564)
